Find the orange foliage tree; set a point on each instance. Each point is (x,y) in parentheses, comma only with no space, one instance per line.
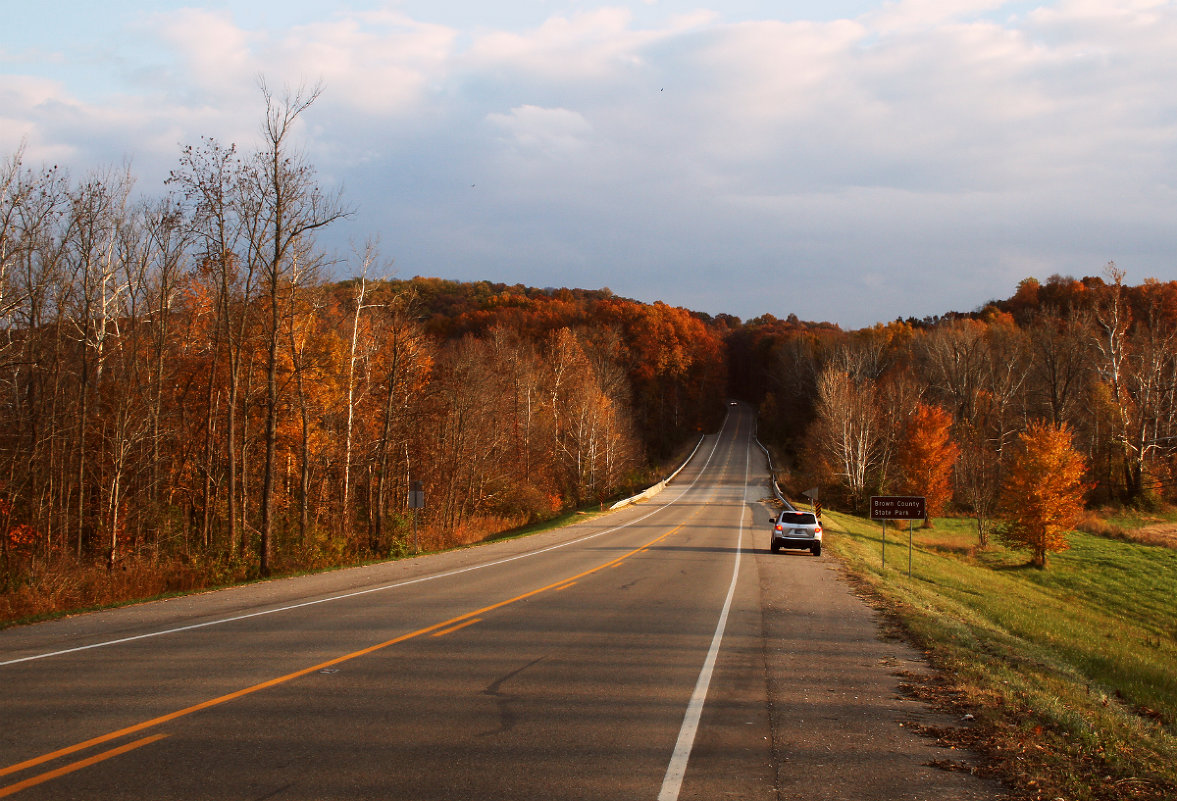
(927,458)
(1043,492)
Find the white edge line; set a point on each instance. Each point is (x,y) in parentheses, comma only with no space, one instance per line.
(677,769)
(382,588)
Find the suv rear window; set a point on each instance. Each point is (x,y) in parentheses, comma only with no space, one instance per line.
(798,518)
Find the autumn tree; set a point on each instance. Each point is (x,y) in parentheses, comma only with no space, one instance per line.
(1043,492)
(211,183)
(927,457)
(520,368)
(586,437)
(1060,353)
(847,430)
(288,207)
(951,359)
(400,370)
(468,439)
(978,477)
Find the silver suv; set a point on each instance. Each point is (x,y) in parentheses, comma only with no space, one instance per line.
(792,529)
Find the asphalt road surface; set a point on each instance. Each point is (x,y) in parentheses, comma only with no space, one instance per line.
(657,652)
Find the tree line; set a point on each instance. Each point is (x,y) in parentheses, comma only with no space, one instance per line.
(186,393)
(183,390)
(941,407)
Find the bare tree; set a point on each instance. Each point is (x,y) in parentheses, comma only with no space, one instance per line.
(849,433)
(97,209)
(12,196)
(1061,360)
(37,367)
(950,359)
(356,357)
(1137,363)
(1004,367)
(163,260)
(403,365)
(211,178)
(978,477)
(287,208)
(1149,381)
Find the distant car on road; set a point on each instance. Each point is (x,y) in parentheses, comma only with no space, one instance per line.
(797,530)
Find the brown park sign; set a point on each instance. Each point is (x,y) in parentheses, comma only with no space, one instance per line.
(898,507)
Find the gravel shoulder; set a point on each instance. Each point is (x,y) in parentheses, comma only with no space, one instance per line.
(842,725)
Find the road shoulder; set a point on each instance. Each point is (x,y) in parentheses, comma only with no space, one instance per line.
(842,727)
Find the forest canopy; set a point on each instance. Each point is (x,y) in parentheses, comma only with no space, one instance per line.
(1096,355)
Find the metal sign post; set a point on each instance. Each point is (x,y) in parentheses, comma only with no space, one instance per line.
(416,501)
(910,523)
(811,494)
(898,507)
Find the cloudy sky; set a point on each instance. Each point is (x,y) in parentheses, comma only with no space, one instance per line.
(843,160)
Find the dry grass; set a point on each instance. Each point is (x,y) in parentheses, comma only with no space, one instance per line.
(468,532)
(65,586)
(1158,534)
(1146,532)
(40,590)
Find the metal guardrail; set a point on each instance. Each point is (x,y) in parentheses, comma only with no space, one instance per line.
(661,485)
(780,496)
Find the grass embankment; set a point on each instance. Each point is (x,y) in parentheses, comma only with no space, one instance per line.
(1070,672)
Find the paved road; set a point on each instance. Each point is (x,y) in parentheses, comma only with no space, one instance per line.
(659,652)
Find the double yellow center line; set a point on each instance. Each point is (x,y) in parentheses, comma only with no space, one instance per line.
(436,630)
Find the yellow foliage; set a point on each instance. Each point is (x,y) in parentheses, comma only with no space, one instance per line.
(928,457)
(1042,495)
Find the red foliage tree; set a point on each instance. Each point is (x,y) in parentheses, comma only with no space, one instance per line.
(927,457)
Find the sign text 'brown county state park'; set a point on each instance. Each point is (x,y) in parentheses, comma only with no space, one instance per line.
(898,507)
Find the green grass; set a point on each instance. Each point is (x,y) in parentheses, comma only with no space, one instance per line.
(1071,671)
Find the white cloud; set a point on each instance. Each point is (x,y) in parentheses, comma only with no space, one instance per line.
(595,45)
(923,14)
(552,132)
(25,93)
(27,102)
(378,62)
(212,52)
(937,144)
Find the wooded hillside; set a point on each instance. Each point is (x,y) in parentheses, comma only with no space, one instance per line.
(1095,355)
(184,394)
